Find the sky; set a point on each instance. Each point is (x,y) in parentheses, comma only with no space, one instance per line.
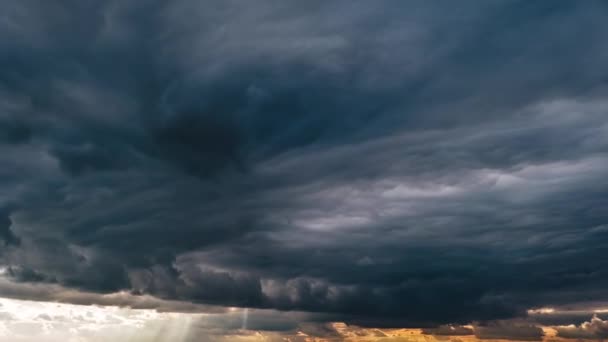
(303,170)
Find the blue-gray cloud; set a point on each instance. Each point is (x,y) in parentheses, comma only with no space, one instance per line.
(390,164)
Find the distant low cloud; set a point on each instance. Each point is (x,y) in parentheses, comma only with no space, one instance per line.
(449,330)
(507,330)
(596,328)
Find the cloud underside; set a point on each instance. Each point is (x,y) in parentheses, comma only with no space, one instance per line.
(385,164)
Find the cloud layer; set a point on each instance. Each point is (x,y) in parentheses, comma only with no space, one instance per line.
(385,163)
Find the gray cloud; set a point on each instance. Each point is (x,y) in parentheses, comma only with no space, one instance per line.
(509,330)
(387,164)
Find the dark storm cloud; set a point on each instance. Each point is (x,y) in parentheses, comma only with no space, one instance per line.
(14,132)
(55,293)
(6,234)
(390,164)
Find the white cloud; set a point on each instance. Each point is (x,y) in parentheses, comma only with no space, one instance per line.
(47,321)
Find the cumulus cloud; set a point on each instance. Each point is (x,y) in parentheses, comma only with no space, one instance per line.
(411,164)
(596,328)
